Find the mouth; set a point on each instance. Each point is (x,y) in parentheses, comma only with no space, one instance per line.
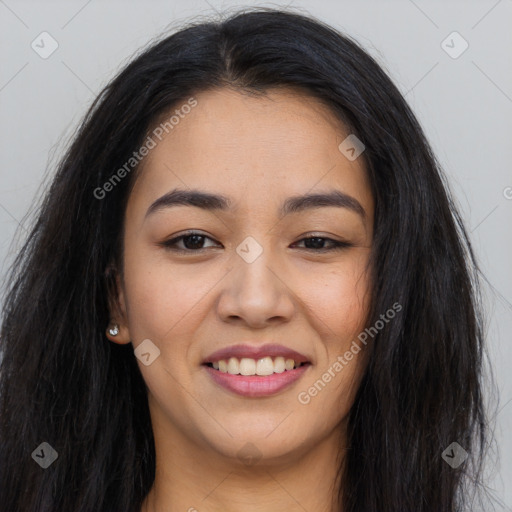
(256,372)
(256,367)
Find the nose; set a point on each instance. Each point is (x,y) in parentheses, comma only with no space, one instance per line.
(256,293)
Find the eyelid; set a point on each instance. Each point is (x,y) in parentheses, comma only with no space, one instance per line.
(336,245)
(167,244)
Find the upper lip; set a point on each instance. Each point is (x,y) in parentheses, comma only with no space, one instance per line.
(252,352)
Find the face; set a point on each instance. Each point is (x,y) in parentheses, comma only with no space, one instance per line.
(280,279)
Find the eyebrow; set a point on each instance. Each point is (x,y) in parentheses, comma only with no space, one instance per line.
(217,202)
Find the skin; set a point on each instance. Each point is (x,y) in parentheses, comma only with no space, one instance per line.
(258,150)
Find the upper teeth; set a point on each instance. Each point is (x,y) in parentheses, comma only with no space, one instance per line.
(247,366)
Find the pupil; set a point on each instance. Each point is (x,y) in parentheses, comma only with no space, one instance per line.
(314,243)
(196,244)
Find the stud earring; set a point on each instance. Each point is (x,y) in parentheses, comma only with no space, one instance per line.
(114,330)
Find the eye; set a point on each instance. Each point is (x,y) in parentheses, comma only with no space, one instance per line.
(193,242)
(316,244)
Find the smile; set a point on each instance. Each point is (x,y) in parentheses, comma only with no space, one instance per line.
(256,378)
(263,366)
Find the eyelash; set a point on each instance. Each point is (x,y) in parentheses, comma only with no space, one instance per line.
(170,244)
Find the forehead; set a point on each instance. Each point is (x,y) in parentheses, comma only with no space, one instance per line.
(255,149)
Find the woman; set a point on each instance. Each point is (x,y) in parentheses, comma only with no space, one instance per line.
(247,289)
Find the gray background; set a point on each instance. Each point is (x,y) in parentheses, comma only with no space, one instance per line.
(464,105)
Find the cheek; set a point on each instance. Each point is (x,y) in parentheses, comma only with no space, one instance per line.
(340,304)
(165,300)
(339,298)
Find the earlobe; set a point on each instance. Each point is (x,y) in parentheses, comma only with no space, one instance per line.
(117,331)
(118,334)
(114,330)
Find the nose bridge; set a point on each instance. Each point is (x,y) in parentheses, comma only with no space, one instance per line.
(256,268)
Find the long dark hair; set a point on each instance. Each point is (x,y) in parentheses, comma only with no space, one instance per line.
(61,380)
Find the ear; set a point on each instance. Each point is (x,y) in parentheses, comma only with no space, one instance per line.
(116,306)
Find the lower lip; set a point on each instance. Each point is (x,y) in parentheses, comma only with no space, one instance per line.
(254,385)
